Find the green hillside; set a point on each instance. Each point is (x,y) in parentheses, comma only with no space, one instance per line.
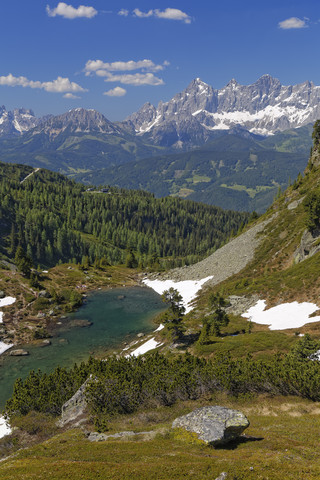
(230,171)
(74,152)
(267,374)
(57,220)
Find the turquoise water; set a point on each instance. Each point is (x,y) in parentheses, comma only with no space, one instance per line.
(115,320)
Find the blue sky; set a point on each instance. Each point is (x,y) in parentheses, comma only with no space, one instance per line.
(114,56)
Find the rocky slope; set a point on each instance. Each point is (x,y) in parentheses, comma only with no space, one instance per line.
(226,261)
(278,257)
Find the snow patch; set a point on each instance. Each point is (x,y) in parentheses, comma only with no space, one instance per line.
(159,328)
(188,289)
(6,301)
(281,317)
(145,347)
(3,303)
(4,428)
(4,347)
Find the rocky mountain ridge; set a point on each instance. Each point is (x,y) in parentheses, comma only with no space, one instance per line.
(78,120)
(17,121)
(192,116)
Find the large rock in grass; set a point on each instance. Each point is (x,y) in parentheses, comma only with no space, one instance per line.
(213,425)
(74,410)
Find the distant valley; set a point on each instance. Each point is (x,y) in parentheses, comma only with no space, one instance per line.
(233,147)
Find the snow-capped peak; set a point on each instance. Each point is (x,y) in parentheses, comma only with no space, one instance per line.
(264,107)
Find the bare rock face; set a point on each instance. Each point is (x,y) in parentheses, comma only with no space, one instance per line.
(193,116)
(214,425)
(75,408)
(309,245)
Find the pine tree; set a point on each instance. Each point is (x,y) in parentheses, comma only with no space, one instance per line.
(23,262)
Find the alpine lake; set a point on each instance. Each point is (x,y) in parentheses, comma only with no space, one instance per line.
(116,316)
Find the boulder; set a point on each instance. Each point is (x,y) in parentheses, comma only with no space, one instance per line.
(19,353)
(74,409)
(2,294)
(213,425)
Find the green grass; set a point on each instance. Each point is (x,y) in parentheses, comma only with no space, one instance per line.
(281,443)
(259,344)
(252,192)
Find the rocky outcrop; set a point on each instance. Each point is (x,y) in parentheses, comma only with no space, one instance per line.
(75,408)
(213,425)
(309,245)
(19,353)
(237,305)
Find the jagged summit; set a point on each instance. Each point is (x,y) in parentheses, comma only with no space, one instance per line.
(192,116)
(16,122)
(264,107)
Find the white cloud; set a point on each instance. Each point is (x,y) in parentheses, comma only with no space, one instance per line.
(100,66)
(70,96)
(135,79)
(173,14)
(140,14)
(60,85)
(293,22)
(123,12)
(68,11)
(168,14)
(116,92)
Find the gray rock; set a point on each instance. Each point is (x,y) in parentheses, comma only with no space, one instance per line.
(238,305)
(19,353)
(101,437)
(214,425)
(309,245)
(75,407)
(44,294)
(222,476)
(293,205)
(2,294)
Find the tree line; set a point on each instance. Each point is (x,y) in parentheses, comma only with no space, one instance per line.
(57,220)
(124,385)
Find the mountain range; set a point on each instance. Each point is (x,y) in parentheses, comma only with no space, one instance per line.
(263,108)
(243,141)
(193,116)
